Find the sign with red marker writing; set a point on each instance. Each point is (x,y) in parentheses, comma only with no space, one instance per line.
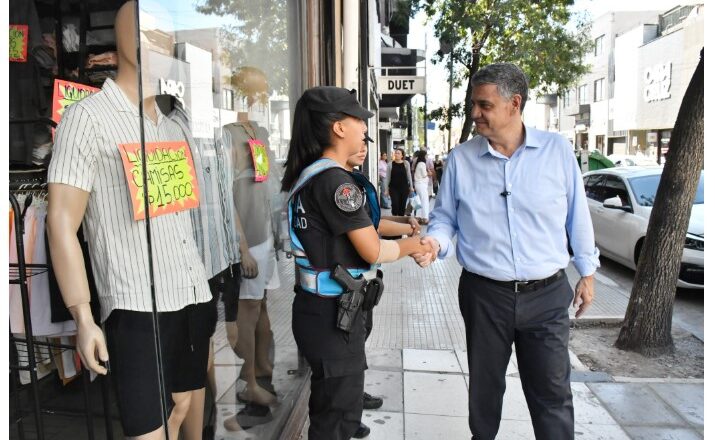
(171,177)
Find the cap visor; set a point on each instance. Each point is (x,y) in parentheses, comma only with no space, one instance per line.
(359,112)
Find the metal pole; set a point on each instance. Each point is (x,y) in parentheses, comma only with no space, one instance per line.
(449,108)
(425,116)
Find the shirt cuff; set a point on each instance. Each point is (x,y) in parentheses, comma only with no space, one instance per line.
(445,245)
(587,265)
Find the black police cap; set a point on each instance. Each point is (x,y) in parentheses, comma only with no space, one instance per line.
(328,99)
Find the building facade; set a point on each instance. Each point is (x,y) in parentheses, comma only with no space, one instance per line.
(641,64)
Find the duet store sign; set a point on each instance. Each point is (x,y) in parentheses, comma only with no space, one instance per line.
(401,85)
(171,177)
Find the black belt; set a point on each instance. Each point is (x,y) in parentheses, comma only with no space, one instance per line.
(525,286)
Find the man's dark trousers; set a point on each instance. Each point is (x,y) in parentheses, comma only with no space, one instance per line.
(537,323)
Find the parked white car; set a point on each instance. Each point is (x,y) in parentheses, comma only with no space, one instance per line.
(620,201)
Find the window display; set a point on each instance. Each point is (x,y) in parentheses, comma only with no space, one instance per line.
(172,124)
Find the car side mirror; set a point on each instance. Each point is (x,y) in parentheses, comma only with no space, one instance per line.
(615,203)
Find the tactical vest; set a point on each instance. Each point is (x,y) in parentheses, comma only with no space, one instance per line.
(312,279)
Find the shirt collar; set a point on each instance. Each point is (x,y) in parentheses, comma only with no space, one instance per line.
(122,103)
(531,140)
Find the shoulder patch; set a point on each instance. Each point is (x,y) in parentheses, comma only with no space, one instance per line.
(348,197)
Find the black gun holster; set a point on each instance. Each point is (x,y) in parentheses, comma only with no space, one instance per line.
(349,303)
(373,292)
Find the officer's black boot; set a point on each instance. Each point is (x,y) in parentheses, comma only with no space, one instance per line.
(362,432)
(371,402)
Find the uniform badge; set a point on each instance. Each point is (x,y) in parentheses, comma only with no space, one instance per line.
(348,197)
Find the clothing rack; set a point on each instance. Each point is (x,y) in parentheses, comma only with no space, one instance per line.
(33,182)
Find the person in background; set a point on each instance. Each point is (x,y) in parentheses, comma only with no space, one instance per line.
(399,182)
(422,184)
(438,168)
(382,182)
(388,227)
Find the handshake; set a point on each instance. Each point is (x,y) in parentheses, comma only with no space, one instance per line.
(428,248)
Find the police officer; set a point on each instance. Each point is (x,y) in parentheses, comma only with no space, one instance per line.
(328,226)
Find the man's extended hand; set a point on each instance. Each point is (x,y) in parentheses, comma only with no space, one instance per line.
(426,259)
(584,294)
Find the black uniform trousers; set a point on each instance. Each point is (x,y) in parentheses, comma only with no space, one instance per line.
(537,323)
(337,361)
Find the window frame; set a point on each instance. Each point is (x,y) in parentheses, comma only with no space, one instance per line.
(598,45)
(596,95)
(583,94)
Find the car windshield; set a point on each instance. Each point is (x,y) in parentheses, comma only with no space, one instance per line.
(645,188)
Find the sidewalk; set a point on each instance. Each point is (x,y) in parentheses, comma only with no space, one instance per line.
(425,398)
(417,360)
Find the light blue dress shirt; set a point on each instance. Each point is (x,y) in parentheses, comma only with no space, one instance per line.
(520,236)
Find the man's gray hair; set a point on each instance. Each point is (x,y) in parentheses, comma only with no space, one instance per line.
(509,79)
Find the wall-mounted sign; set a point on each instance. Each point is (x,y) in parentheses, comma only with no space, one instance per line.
(401,85)
(652,137)
(656,82)
(397,134)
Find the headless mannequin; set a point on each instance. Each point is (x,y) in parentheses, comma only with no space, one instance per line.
(66,209)
(250,336)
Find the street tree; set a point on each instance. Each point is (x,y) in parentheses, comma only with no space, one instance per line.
(647,325)
(531,34)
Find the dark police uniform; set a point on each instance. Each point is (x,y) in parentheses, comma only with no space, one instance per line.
(330,205)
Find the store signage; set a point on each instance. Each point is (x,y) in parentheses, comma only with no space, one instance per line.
(656,82)
(171,175)
(66,93)
(18,37)
(401,85)
(397,134)
(173,88)
(384,125)
(652,137)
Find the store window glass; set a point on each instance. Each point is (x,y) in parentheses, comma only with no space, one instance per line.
(222,80)
(149,138)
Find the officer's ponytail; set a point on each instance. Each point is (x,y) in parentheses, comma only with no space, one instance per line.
(310,136)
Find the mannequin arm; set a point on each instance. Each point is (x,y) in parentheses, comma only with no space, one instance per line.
(65,210)
(249,266)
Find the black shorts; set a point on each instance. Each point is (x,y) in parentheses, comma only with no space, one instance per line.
(184,343)
(226,286)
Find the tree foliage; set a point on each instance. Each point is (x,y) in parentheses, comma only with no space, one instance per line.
(531,34)
(259,37)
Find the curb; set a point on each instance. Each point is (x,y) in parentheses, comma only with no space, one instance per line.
(625,379)
(590,320)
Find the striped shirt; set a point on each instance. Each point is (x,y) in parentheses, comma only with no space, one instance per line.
(86,156)
(215,228)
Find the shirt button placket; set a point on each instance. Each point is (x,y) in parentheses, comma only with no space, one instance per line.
(509,212)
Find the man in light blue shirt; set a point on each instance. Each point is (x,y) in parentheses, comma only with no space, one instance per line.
(511,196)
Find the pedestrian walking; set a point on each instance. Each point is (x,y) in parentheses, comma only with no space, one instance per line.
(382,168)
(422,184)
(399,182)
(335,243)
(511,195)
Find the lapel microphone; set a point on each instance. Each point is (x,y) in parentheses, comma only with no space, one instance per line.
(505,193)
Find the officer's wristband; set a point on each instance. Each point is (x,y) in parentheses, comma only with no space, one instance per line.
(389,251)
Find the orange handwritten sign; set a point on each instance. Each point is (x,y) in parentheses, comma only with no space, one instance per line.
(171,176)
(66,93)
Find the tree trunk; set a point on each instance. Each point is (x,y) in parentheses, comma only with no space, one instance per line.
(647,325)
(468,123)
